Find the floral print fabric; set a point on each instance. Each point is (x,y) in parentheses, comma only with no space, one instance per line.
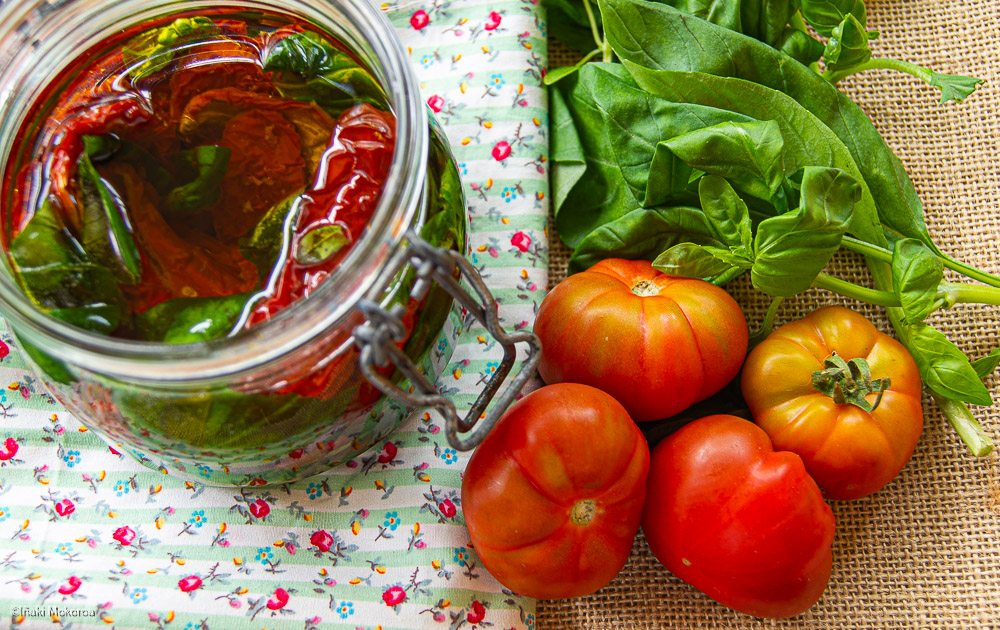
(89,538)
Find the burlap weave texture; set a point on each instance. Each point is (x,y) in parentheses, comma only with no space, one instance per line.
(925,551)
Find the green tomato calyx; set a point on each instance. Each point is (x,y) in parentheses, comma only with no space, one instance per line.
(850,382)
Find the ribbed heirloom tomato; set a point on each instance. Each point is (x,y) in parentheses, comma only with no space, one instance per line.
(553,495)
(656,343)
(790,380)
(745,525)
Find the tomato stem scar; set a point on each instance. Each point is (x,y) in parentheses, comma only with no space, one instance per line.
(583,512)
(645,288)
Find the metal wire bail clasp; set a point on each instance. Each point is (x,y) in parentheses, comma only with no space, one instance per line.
(377,339)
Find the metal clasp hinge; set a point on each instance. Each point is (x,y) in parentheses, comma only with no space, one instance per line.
(378,336)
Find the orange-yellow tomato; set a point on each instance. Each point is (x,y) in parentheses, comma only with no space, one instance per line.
(850,452)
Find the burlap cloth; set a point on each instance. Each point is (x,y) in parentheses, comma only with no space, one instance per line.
(925,551)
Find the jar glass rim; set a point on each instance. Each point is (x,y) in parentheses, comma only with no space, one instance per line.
(334,301)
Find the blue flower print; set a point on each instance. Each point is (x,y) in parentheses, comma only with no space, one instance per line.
(264,554)
(450,456)
(497,81)
(442,345)
(191,626)
(314,491)
(64,549)
(427,60)
(198,518)
(346,609)
(205,471)
(509,194)
(72,458)
(3,396)
(530,621)
(461,555)
(121,487)
(543,28)
(138,595)
(391,520)
(4,513)
(491,367)
(464,168)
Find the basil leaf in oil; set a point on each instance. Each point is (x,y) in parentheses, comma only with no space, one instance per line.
(208,166)
(320,244)
(107,235)
(187,320)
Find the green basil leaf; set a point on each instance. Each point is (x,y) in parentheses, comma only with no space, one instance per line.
(568,163)
(642,234)
(56,274)
(847,46)
(600,195)
(107,234)
(984,366)
(188,320)
(567,21)
(637,123)
(155,50)
(808,142)
(558,73)
(954,87)
(670,40)
(765,20)
(688,260)
(727,214)
(209,166)
(826,15)
(916,274)
(749,155)
(945,369)
(790,250)
(320,244)
(447,221)
(264,245)
(800,46)
(101,148)
(306,67)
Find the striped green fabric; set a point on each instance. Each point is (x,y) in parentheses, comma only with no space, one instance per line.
(99,540)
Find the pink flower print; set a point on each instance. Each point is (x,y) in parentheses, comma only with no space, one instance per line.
(420,544)
(4,350)
(448,508)
(190,583)
(419,19)
(71,586)
(25,392)
(279,601)
(439,617)
(436,103)
(65,507)
(260,508)
(388,453)
(124,535)
(394,596)
(477,612)
(521,241)
(291,549)
(321,540)
(493,21)
(9,449)
(501,151)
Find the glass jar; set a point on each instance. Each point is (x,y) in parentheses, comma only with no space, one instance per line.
(330,375)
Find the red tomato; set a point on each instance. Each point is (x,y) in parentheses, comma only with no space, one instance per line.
(656,343)
(553,495)
(849,451)
(743,524)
